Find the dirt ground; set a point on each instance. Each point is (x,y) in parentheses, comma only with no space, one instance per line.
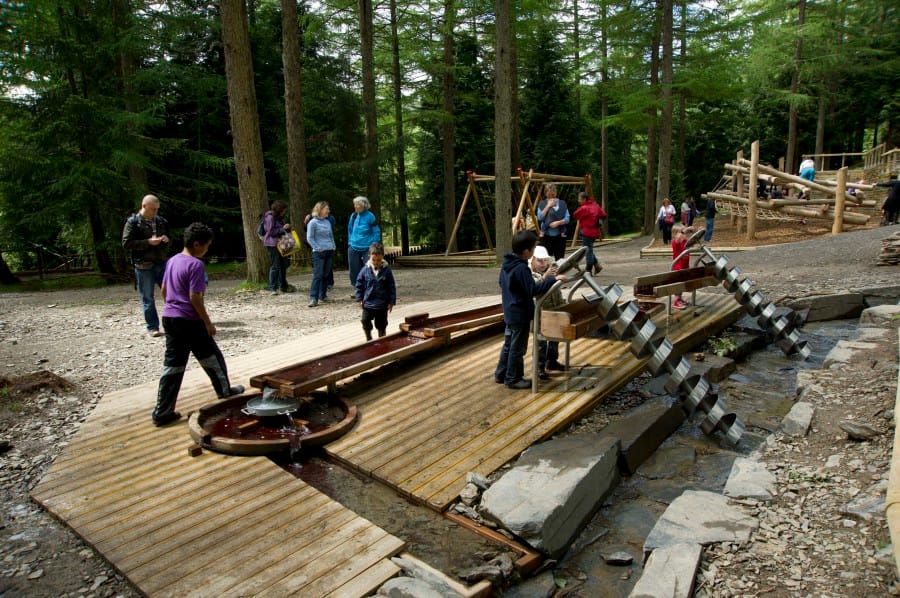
(74,346)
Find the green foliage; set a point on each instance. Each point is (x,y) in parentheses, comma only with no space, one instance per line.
(722,345)
(103,101)
(552,131)
(473,151)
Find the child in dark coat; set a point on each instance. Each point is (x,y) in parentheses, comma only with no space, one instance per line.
(518,290)
(376,291)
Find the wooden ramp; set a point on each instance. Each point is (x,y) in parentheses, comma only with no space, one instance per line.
(215,525)
(427,426)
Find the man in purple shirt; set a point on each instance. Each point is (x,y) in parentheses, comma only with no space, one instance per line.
(188,327)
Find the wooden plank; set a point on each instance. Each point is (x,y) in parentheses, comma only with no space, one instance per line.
(277,547)
(149,540)
(366,550)
(135,551)
(121,469)
(303,563)
(212,552)
(112,502)
(684,287)
(367,582)
(295,388)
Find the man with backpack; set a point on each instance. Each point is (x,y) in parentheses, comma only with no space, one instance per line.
(590,217)
(146,237)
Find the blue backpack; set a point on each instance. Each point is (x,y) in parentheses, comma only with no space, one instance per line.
(261,228)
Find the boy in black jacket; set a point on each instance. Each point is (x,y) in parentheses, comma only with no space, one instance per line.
(376,291)
(518,290)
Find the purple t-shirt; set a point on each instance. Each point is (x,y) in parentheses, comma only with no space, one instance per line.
(184,275)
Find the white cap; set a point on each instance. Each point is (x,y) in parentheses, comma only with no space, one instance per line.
(540,253)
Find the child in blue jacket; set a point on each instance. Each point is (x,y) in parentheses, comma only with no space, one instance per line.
(518,290)
(376,291)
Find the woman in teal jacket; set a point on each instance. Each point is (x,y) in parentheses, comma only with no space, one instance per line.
(362,231)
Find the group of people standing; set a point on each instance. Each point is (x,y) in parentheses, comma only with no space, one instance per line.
(667,216)
(553,217)
(182,279)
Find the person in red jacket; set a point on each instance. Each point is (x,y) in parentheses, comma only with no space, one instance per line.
(679,242)
(590,217)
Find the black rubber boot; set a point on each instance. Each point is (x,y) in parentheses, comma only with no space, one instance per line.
(368,334)
(381,333)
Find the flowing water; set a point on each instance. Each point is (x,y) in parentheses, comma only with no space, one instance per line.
(761,391)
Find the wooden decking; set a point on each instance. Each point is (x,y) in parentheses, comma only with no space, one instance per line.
(217,525)
(427,426)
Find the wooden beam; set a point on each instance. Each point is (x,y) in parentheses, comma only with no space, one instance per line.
(839,193)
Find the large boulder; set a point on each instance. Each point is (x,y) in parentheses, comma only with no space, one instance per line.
(554,489)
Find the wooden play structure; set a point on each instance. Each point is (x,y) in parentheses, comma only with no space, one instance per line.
(840,201)
(528,186)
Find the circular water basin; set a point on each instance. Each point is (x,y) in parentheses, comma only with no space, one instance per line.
(230,427)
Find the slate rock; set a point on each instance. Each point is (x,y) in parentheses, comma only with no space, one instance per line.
(798,419)
(750,479)
(669,572)
(857,431)
(700,517)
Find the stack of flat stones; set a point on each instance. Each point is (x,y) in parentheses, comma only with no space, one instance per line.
(890,251)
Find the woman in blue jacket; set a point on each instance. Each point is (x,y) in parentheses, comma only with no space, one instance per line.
(362,231)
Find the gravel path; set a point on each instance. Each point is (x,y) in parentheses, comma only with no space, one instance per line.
(94,339)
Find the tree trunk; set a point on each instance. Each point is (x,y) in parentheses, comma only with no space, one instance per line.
(298,181)
(650,178)
(6,275)
(398,131)
(682,100)
(248,156)
(503,82)
(367,52)
(790,163)
(576,42)
(448,125)
(98,235)
(514,134)
(820,131)
(665,133)
(604,115)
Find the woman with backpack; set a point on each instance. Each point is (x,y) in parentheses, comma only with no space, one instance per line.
(590,217)
(272,228)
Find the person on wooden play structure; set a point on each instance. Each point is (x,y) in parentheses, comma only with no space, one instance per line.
(188,326)
(666,218)
(808,169)
(548,351)
(376,291)
(518,290)
(590,217)
(553,215)
(682,233)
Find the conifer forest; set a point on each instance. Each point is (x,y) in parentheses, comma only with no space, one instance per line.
(219,108)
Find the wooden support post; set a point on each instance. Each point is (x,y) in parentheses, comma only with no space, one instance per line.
(838,225)
(754,181)
(781,163)
(469,190)
(737,185)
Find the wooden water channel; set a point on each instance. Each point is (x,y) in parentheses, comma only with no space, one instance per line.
(219,525)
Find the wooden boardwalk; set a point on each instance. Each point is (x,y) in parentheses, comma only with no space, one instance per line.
(428,425)
(218,525)
(214,525)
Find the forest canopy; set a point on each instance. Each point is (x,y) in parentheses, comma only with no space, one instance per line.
(106,100)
